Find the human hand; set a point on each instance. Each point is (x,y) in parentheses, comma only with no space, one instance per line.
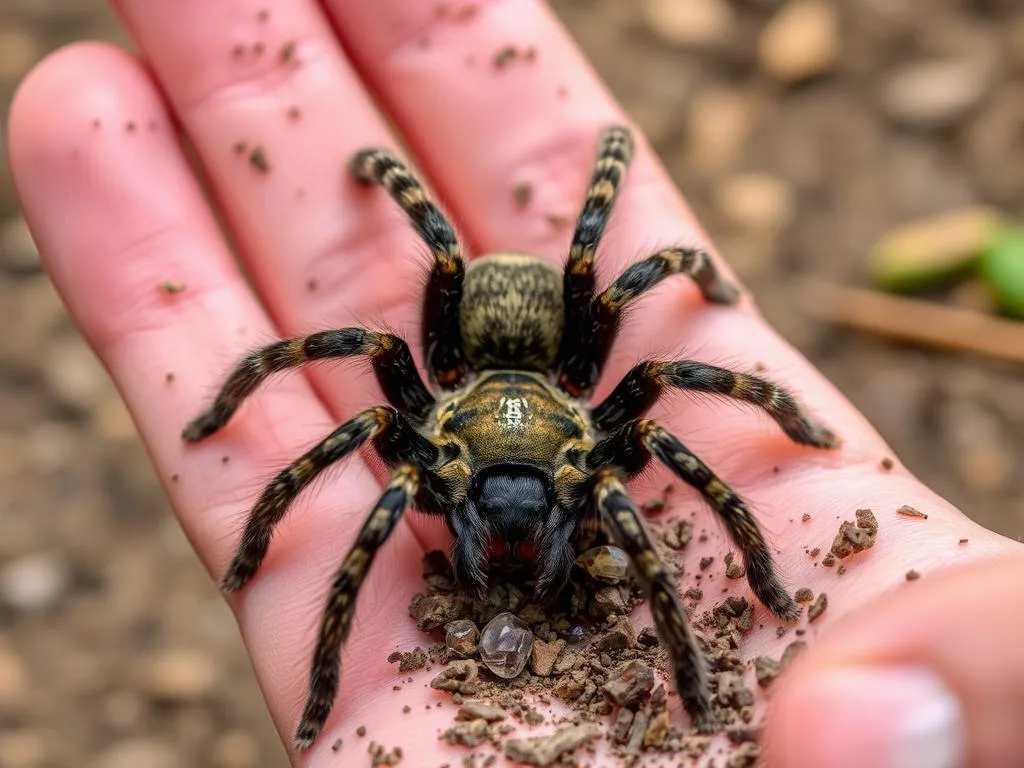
(117,211)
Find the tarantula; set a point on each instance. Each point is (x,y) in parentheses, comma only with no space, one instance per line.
(507,448)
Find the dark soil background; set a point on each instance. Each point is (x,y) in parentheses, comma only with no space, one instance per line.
(116,650)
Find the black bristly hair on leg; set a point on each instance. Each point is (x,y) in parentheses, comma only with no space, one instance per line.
(392,363)
(631,447)
(442,341)
(341,601)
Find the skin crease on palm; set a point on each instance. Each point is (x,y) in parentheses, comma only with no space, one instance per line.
(117,211)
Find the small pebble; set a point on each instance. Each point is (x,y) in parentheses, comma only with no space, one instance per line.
(179,676)
(236,749)
(800,41)
(630,683)
(756,201)
(936,94)
(693,23)
(33,582)
(136,753)
(461,637)
(17,247)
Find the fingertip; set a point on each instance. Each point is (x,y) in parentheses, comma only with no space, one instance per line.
(68,94)
(892,716)
(927,676)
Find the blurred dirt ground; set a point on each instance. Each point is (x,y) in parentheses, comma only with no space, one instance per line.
(115,649)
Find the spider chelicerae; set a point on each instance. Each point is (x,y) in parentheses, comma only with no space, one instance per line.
(506,446)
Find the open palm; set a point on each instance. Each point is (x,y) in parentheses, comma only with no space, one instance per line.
(138,253)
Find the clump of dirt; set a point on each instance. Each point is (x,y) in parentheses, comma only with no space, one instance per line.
(817,607)
(379,755)
(409,662)
(545,750)
(586,656)
(853,538)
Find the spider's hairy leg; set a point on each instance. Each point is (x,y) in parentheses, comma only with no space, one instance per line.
(622,518)
(390,355)
(614,153)
(590,348)
(643,385)
(630,448)
(386,426)
(442,342)
(337,617)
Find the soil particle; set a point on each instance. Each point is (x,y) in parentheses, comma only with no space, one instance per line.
(468,734)
(629,683)
(678,535)
(522,193)
(913,575)
(657,730)
(804,595)
(504,56)
(734,571)
(733,693)
(409,662)
(746,756)
(171,287)
(287,52)
(435,611)
(609,601)
(459,676)
(766,670)
(908,511)
(817,607)
(546,750)
(461,637)
(258,159)
(477,710)
(619,635)
(379,755)
(361,731)
(793,650)
(543,656)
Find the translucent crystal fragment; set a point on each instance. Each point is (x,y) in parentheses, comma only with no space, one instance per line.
(606,564)
(505,645)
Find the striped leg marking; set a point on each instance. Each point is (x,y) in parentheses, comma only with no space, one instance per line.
(337,618)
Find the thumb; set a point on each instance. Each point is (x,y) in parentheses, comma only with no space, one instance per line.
(930,676)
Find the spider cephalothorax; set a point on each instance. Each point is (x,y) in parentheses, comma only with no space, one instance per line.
(506,447)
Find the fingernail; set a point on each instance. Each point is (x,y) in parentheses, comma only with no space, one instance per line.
(889,717)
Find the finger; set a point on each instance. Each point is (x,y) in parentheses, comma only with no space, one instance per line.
(322,250)
(931,675)
(116,212)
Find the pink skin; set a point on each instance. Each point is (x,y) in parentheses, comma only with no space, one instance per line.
(117,211)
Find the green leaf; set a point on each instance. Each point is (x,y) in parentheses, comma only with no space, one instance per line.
(1002,268)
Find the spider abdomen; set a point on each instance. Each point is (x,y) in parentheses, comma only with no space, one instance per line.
(512,312)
